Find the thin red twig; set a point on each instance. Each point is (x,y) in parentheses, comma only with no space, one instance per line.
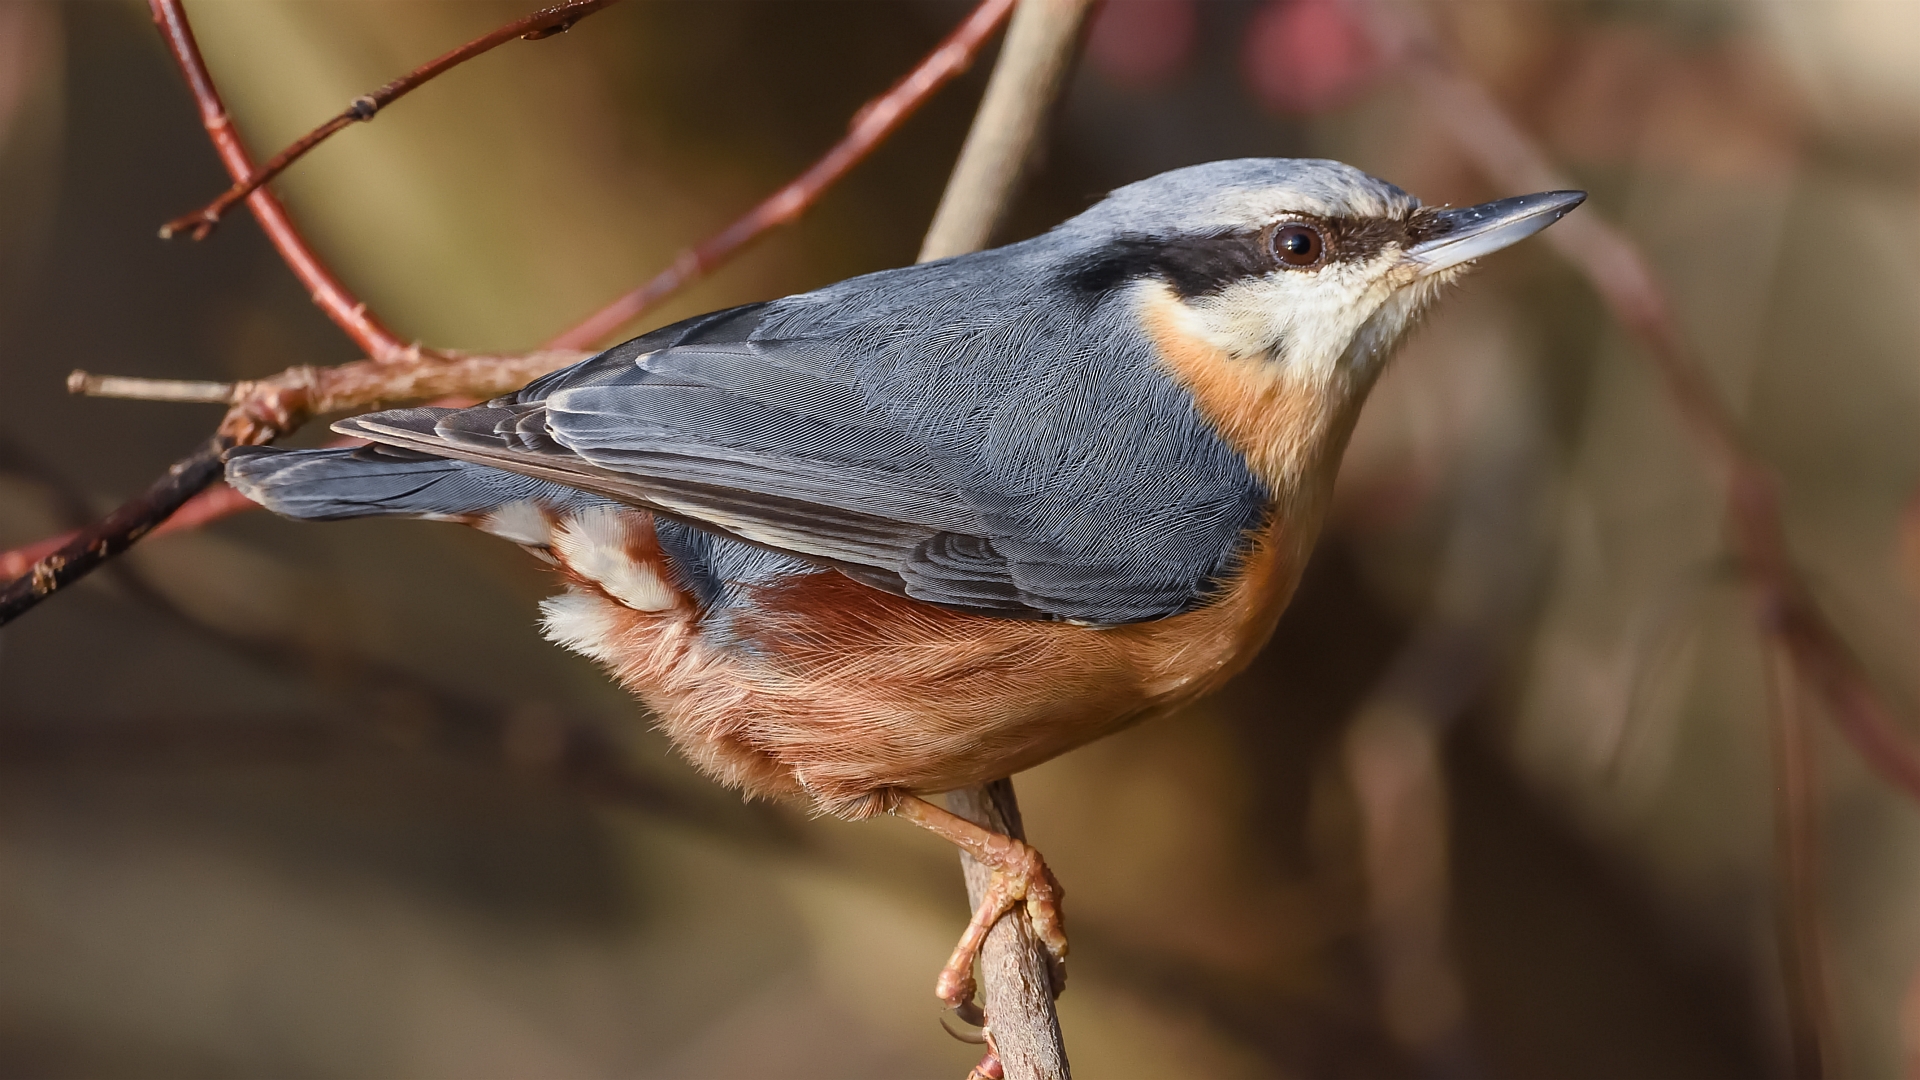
(1618,272)
(543,23)
(870,127)
(341,306)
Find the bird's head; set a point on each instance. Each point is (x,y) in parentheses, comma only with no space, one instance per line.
(1275,288)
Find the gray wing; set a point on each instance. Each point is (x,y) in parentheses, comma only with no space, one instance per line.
(968,437)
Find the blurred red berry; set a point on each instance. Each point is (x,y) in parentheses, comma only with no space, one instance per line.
(1142,43)
(1304,56)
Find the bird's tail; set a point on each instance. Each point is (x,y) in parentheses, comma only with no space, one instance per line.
(372,481)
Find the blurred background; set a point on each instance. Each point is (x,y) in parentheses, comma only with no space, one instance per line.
(1499,800)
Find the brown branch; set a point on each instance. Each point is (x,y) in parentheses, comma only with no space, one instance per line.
(543,23)
(267,408)
(263,410)
(117,532)
(328,294)
(1014,977)
(871,126)
(1617,271)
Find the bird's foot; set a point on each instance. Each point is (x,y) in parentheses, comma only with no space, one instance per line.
(1020,877)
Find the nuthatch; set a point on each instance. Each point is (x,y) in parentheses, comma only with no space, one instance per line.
(932,526)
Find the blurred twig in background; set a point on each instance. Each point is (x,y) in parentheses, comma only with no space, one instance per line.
(1803,959)
(1488,585)
(1391,751)
(1618,272)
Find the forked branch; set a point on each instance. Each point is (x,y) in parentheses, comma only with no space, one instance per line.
(543,23)
(346,310)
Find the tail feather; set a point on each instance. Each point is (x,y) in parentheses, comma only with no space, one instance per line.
(373,481)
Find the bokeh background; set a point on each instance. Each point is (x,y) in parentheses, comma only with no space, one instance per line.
(1499,800)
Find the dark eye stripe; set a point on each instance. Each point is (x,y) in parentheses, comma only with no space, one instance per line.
(1202,265)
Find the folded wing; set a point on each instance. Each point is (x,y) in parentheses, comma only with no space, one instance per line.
(974,449)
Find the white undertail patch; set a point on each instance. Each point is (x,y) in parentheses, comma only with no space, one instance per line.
(522,522)
(598,544)
(580,621)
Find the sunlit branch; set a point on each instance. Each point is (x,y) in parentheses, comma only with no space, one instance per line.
(543,23)
(870,127)
(328,294)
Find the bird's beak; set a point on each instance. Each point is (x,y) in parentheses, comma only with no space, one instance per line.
(1455,236)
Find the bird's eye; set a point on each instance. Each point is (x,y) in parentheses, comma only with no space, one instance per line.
(1297,245)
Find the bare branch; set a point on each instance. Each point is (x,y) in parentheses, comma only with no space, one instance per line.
(1613,265)
(543,23)
(870,127)
(1015,979)
(266,409)
(137,389)
(328,294)
(117,532)
(1014,976)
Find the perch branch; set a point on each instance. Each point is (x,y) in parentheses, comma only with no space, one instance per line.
(1626,285)
(346,311)
(1014,975)
(1013,971)
(543,23)
(870,127)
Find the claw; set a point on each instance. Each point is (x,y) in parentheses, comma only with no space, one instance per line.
(977,1038)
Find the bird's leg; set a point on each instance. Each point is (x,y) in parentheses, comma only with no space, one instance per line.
(1019,874)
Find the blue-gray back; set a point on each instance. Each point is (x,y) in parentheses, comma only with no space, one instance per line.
(1017,442)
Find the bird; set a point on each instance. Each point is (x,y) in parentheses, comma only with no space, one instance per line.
(931,526)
